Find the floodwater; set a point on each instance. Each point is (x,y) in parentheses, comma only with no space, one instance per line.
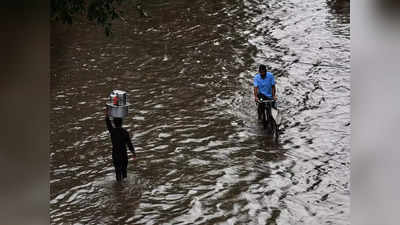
(202,156)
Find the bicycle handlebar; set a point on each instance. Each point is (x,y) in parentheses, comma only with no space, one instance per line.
(266,101)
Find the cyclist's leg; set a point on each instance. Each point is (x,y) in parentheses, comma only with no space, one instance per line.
(259,111)
(263,106)
(261,114)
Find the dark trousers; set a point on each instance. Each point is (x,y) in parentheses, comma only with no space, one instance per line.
(261,107)
(120,169)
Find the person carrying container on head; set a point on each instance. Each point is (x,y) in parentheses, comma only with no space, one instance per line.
(120,139)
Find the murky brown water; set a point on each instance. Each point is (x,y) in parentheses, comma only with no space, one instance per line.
(202,156)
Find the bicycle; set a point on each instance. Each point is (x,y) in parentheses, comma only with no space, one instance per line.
(264,109)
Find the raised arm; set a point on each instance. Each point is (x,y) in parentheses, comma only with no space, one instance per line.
(108,122)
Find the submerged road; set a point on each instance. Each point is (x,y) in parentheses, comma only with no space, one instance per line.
(202,156)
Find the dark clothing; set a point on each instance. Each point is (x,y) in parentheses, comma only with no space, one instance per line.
(120,169)
(261,107)
(261,96)
(120,139)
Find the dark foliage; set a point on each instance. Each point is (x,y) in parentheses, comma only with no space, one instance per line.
(100,11)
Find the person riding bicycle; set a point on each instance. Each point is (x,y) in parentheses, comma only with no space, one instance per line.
(264,87)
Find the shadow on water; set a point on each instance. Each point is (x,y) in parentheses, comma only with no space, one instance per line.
(338,18)
(339,6)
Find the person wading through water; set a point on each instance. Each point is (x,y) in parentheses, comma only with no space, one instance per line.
(264,88)
(120,139)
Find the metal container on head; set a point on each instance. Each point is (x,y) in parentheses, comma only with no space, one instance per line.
(118,98)
(117,106)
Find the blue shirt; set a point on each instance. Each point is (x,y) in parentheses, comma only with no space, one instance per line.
(264,85)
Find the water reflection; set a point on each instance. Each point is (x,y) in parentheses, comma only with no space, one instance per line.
(339,17)
(339,6)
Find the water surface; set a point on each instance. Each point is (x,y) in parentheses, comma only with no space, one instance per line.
(203,158)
